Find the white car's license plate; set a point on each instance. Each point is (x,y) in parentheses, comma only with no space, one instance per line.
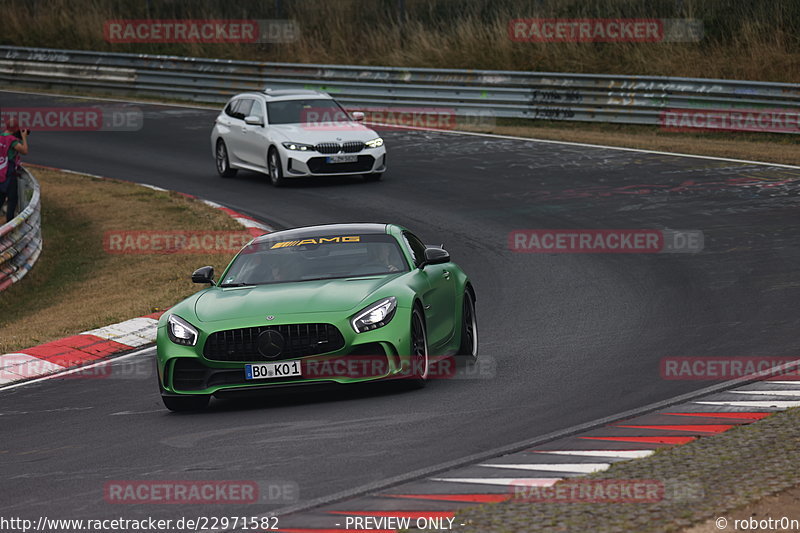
(272,370)
(341,159)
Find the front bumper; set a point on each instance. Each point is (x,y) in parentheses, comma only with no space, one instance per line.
(369,356)
(299,164)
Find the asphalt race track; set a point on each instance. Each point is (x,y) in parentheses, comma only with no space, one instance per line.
(573,337)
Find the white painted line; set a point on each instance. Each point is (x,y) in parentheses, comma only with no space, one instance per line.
(782,382)
(572,468)
(587,145)
(78,369)
(159,189)
(249,223)
(505,481)
(619,454)
(134,332)
(212,204)
(122,100)
(777,404)
(768,392)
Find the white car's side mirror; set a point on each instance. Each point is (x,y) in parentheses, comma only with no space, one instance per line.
(254,120)
(358,116)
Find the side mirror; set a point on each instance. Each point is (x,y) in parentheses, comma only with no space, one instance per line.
(203,275)
(358,116)
(436,256)
(254,120)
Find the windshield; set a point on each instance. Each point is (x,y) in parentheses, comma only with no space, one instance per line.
(306,111)
(314,258)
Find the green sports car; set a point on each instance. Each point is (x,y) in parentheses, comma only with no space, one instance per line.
(340,303)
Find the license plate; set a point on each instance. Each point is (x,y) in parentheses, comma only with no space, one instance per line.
(272,370)
(341,159)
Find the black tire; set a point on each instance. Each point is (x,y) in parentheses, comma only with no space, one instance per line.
(420,364)
(186,403)
(468,351)
(275,168)
(375,176)
(222,161)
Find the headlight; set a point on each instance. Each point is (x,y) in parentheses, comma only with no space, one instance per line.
(298,146)
(375,316)
(374,143)
(180,331)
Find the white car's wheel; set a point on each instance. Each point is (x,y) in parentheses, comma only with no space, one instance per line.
(275,168)
(222,162)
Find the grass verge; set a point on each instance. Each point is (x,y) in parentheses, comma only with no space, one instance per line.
(76,285)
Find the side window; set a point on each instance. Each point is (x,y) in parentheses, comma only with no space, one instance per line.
(416,247)
(257,109)
(241,107)
(229,108)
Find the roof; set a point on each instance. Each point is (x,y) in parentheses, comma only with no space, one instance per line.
(325,230)
(288,94)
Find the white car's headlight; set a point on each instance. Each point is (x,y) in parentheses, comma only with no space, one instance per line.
(298,146)
(375,316)
(180,331)
(374,143)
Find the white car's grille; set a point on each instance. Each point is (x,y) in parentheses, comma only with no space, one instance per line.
(335,148)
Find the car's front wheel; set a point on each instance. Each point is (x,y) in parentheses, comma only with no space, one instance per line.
(468,350)
(186,403)
(223,163)
(275,168)
(419,349)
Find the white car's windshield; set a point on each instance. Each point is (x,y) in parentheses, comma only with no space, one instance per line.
(306,111)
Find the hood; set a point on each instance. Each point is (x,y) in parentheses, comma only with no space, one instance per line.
(313,134)
(286,298)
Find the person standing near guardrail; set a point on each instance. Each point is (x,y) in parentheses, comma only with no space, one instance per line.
(13,142)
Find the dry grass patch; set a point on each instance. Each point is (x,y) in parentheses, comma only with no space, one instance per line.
(77,285)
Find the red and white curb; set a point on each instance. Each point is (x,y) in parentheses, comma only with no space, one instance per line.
(593,450)
(101,343)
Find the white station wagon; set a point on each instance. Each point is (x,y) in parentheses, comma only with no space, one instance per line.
(294,133)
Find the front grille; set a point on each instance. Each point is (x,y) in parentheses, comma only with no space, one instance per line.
(318,165)
(299,340)
(352,146)
(328,148)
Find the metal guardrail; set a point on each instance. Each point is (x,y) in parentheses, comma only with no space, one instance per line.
(532,95)
(21,239)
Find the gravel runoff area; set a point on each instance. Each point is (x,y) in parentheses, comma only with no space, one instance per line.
(704,479)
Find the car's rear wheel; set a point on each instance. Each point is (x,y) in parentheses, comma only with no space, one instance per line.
(223,163)
(375,176)
(419,349)
(468,350)
(275,168)
(186,403)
